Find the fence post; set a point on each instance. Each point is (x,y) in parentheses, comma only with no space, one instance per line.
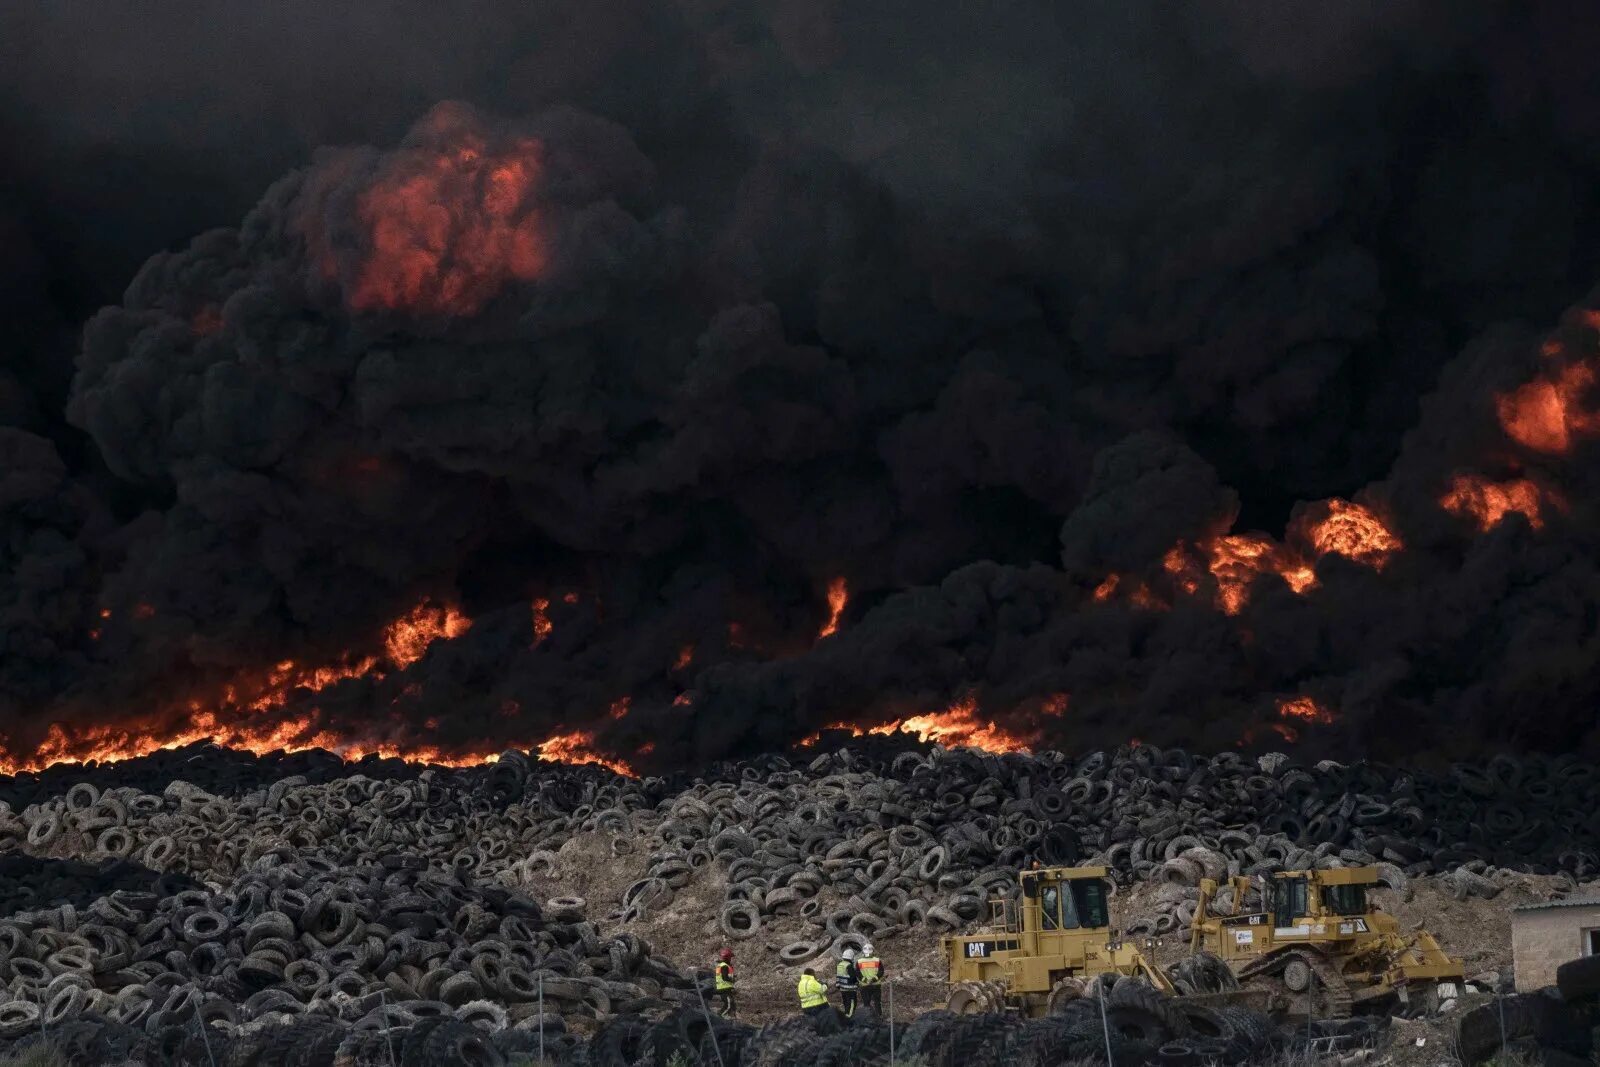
(890,984)
(711,1028)
(388,1031)
(1105,1025)
(204,1037)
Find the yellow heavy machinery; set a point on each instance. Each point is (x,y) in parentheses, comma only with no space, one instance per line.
(1320,946)
(1040,950)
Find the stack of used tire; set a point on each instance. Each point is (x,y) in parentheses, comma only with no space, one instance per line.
(30,882)
(1553,1027)
(904,837)
(297,925)
(1137,1035)
(299,947)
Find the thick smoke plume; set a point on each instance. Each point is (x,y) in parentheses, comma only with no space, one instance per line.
(701,381)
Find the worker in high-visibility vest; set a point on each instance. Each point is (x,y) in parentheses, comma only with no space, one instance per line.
(724,983)
(869,969)
(845,981)
(813,995)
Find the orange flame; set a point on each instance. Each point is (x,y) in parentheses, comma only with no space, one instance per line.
(838,597)
(1487,503)
(1107,589)
(1185,574)
(542,626)
(1336,526)
(1305,709)
(685,657)
(409,637)
(450,220)
(577,747)
(957,725)
(1547,413)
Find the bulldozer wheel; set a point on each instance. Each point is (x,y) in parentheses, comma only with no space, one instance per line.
(1064,992)
(1297,976)
(1326,993)
(972,998)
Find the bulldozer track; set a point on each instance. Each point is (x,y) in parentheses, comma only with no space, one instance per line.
(1336,997)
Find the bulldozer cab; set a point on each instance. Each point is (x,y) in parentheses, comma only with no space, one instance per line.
(1058,926)
(1062,899)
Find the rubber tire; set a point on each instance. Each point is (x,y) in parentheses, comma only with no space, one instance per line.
(1579,979)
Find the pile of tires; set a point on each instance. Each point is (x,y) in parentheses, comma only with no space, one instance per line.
(1535,1028)
(904,836)
(298,946)
(688,1036)
(30,882)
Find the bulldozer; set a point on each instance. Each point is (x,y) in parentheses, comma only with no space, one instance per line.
(1320,946)
(1039,950)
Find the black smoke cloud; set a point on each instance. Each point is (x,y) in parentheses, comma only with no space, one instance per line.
(970,309)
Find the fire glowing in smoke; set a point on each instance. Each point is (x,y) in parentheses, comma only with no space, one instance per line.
(448,221)
(1336,526)
(959,725)
(838,597)
(578,747)
(409,637)
(1548,412)
(1486,503)
(1235,562)
(542,626)
(1305,709)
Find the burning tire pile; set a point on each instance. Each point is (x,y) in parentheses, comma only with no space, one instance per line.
(317,912)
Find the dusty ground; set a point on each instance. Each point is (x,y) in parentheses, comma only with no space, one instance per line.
(686,931)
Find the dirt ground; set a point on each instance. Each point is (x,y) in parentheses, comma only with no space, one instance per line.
(686,932)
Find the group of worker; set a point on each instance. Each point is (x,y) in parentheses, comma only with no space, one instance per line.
(854,976)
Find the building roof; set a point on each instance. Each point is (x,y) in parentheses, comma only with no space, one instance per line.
(1569,902)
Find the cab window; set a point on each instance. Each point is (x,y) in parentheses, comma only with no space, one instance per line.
(1050,908)
(1289,901)
(1069,906)
(1090,897)
(1345,899)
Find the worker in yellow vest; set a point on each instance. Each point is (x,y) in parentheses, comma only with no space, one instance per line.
(869,969)
(813,995)
(724,984)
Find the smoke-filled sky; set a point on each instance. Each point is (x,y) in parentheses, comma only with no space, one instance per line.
(1201,374)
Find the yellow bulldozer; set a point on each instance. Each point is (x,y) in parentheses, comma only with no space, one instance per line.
(1041,949)
(1319,946)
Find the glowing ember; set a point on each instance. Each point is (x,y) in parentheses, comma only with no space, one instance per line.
(620,707)
(685,657)
(1548,412)
(1350,530)
(409,637)
(838,597)
(1486,503)
(1108,588)
(577,747)
(542,626)
(1305,709)
(1055,705)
